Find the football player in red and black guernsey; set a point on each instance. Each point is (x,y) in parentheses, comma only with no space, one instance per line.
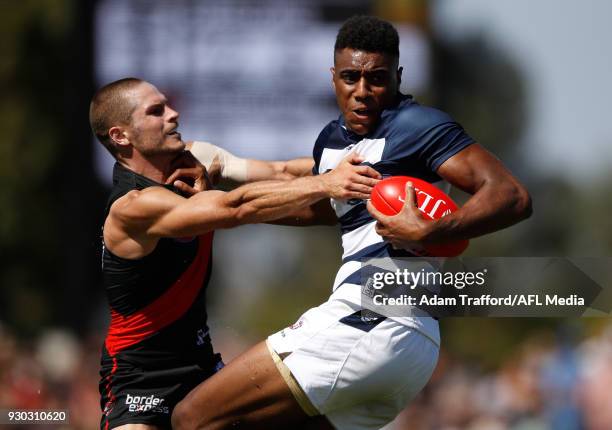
(157,240)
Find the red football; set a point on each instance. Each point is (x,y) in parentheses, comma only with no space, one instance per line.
(388,197)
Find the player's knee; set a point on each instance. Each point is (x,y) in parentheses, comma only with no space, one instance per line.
(183,417)
(187,416)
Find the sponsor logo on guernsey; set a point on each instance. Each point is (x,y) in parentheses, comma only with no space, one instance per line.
(146,404)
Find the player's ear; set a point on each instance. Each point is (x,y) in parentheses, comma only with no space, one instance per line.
(399,75)
(333,73)
(119,136)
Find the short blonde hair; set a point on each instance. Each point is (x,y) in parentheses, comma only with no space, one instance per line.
(110,107)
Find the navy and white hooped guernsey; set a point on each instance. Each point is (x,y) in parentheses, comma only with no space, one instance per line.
(411,140)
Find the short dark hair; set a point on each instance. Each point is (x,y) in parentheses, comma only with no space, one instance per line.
(368,33)
(109,107)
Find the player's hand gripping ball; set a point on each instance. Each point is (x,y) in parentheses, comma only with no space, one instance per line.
(389,195)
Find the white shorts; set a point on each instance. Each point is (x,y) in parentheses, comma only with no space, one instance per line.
(358,372)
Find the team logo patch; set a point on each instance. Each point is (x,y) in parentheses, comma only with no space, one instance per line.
(363,320)
(297,325)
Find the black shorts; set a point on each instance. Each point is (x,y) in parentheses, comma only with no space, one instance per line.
(146,392)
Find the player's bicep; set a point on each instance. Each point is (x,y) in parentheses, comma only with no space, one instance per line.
(130,217)
(157,212)
(201,213)
(473,167)
(139,210)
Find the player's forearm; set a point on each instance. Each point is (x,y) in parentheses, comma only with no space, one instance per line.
(258,170)
(252,203)
(269,200)
(299,167)
(319,213)
(266,201)
(172,216)
(493,207)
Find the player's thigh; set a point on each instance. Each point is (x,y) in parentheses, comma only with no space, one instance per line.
(381,376)
(247,393)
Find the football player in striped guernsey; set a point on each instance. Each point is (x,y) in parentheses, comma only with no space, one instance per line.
(340,366)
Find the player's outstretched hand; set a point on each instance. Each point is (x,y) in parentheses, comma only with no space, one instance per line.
(405,230)
(189,175)
(349,180)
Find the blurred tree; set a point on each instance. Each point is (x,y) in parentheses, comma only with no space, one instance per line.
(483,89)
(47,190)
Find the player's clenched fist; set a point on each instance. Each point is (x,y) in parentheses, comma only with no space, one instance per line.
(189,175)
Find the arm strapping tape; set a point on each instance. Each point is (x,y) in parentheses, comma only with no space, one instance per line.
(231,167)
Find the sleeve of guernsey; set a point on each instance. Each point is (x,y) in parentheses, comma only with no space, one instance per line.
(435,135)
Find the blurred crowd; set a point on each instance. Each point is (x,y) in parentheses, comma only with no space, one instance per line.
(549,382)
(55,372)
(556,384)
